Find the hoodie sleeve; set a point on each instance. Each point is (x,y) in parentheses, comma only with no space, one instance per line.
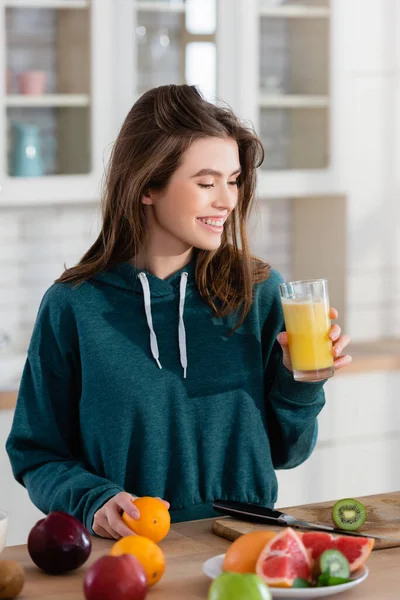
(44,445)
(292,407)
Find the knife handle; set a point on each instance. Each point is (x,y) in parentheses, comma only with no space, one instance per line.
(249,512)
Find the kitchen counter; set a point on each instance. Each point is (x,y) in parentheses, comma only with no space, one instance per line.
(186,547)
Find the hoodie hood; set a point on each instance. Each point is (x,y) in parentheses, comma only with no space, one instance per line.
(127,277)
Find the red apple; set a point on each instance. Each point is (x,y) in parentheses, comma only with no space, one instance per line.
(115,578)
(59,543)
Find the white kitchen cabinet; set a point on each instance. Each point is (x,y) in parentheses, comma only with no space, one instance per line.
(162,42)
(273,66)
(70,41)
(14,498)
(359,440)
(271,61)
(284,52)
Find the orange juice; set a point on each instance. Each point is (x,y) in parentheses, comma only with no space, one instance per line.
(308,326)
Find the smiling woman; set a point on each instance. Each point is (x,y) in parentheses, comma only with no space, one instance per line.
(157,366)
(195,204)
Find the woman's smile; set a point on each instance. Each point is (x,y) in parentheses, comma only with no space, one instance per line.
(215,224)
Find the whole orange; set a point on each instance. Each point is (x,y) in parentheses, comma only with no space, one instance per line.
(242,554)
(154,521)
(147,552)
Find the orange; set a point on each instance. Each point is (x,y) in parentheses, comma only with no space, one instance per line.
(154,521)
(242,555)
(147,552)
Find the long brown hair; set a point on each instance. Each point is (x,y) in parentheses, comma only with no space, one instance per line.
(161,125)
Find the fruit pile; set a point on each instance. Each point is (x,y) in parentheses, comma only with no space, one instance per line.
(135,562)
(295,559)
(60,543)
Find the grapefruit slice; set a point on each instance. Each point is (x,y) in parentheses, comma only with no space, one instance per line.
(355,549)
(283,560)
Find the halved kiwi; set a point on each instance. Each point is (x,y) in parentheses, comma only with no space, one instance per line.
(349,514)
(334,563)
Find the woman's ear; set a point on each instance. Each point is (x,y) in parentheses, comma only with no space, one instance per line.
(149,197)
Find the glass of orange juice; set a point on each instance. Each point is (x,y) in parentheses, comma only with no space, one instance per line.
(306,311)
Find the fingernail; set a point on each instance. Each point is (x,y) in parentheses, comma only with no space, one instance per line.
(135,514)
(336,351)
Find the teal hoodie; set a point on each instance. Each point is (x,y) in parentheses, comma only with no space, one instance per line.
(131,383)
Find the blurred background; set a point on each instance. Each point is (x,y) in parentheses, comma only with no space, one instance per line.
(318,80)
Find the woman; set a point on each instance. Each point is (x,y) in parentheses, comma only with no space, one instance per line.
(158,365)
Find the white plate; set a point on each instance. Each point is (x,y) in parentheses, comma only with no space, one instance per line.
(213,567)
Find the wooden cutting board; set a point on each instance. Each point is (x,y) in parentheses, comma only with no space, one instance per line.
(383,518)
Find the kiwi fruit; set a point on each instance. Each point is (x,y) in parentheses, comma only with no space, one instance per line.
(349,514)
(334,563)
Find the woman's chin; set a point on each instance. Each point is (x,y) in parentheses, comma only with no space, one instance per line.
(208,246)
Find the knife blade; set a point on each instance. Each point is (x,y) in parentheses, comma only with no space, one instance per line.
(262,514)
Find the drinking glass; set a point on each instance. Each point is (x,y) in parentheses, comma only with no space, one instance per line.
(306,307)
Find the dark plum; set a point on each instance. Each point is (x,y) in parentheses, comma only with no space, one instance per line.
(59,543)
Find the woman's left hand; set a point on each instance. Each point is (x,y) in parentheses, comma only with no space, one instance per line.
(339,343)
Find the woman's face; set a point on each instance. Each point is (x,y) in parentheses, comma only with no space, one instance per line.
(201,194)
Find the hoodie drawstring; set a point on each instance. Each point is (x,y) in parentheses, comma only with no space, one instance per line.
(147,308)
(181,327)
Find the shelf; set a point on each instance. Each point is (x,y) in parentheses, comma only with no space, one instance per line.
(296,12)
(174,7)
(288,183)
(67,100)
(49,190)
(292,101)
(46,4)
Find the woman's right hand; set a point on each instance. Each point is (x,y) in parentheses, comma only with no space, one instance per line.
(107,520)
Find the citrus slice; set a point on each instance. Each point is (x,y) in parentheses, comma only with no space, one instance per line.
(355,549)
(283,560)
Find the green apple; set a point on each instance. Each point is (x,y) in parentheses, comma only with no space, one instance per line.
(239,586)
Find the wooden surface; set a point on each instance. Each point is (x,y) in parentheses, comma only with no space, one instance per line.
(383,355)
(186,547)
(8,400)
(383,518)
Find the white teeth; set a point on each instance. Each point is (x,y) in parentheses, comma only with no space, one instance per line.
(213,222)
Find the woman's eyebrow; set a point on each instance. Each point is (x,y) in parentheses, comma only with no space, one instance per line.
(215,173)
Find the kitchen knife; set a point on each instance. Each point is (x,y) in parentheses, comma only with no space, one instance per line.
(262,514)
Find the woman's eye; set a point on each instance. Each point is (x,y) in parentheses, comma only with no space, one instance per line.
(206,186)
(235,183)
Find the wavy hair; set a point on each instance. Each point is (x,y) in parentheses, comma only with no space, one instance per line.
(159,128)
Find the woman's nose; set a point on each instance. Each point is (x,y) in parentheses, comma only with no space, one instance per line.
(227,199)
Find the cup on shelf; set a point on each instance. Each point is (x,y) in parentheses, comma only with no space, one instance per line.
(3,529)
(26,151)
(32,82)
